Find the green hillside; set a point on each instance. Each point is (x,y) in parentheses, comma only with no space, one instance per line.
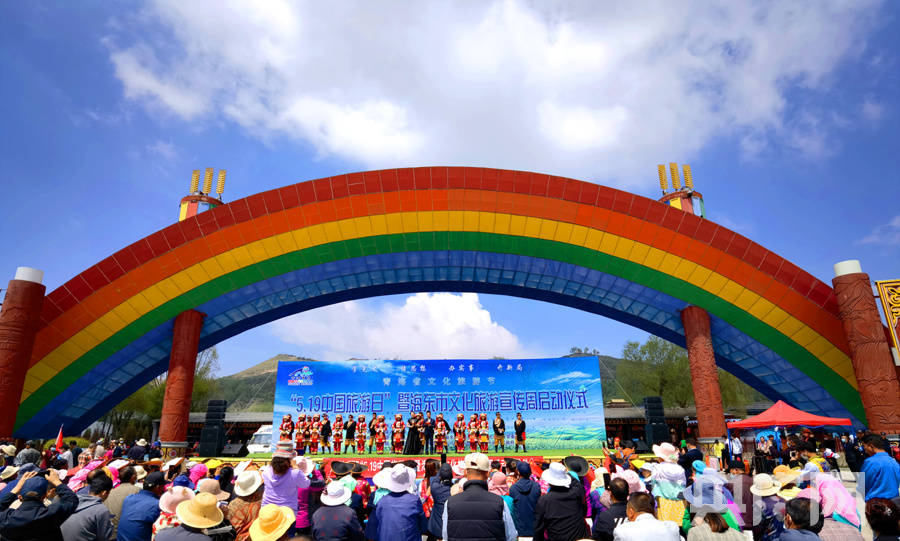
(254,388)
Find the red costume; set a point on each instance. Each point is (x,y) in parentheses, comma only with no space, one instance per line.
(461,441)
(314,442)
(361,433)
(379,441)
(473,440)
(483,431)
(440,439)
(337,435)
(286,429)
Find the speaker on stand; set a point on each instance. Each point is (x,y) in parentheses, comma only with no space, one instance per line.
(212,436)
(657,431)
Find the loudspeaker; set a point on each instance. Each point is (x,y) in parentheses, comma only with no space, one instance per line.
(653,409)
(212,439)
(656,433)
(234,449)
(641,447)
(215,410)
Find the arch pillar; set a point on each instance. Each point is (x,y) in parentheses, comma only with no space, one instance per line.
(173,424)
(20,317)
(704,374)
(873,364)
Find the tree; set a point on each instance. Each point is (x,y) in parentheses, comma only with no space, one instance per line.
(133,417)
(660,368)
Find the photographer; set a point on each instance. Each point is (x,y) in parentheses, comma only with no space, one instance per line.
(32,520)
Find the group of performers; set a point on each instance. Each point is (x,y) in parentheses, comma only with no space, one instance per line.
(420,433)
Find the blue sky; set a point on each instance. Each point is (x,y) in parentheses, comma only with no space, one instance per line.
(786,113)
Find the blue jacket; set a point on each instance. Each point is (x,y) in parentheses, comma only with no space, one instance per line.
(398,516)
(798,535)
(139,512)
(525,494)
(34,521)
(882,475)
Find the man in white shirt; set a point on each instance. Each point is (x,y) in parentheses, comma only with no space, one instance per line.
(642,525)
(737,448)
(67,456)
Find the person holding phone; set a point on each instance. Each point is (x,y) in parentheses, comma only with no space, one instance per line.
(32,519)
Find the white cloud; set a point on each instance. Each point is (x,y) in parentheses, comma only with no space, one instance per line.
(872,110)
(425,326)
(568,376)
(886,234)
(163,149)
(561,88)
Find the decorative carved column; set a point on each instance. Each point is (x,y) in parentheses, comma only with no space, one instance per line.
(704,374)
(20,317)
(173,424)
(873,364)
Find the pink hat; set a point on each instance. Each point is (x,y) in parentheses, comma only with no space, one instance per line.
(634,481)
(173,496)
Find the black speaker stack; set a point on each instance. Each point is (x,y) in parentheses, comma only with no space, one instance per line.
(657,431)
(212,436)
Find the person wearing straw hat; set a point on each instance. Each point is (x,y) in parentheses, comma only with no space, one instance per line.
(8,475)
(196,515)
(211,486)
(244,508)
(335,521)
(138,451)
(168,502)
(766,507)
(398,516)
(275,522)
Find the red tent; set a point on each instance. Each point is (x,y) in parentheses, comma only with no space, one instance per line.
(780,414)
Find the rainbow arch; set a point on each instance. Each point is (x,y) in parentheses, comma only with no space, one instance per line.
(107,331)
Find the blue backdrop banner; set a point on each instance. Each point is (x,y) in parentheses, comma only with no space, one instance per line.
(560,399)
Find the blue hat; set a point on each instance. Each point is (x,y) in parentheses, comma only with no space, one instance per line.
(523,468)
(38,485)
(182,481)
(698,466)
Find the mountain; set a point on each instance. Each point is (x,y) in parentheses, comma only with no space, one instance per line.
(253,389)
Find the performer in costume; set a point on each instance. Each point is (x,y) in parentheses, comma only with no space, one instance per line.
(373,430)
(379,441)
(519,427)
(325,434)
(397,434)
(314,441)
(483,429)
(361,432)
(459,427)
(461,441)
(286,430)
(473,432)
(338,435)
(499,433)
(440,437)
(413,441)
(350,427)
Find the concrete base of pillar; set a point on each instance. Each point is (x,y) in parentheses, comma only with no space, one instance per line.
(174,449)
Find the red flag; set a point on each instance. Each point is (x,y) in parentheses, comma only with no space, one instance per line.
(59,440)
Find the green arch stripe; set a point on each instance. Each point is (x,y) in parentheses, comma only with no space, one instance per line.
(442,240)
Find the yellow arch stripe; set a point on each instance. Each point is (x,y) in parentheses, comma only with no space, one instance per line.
(435,221)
